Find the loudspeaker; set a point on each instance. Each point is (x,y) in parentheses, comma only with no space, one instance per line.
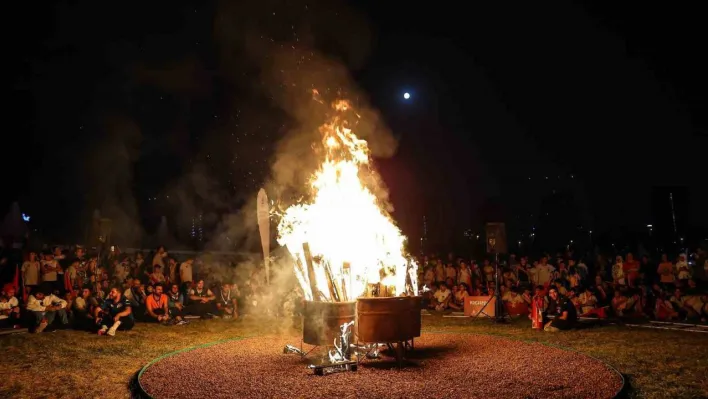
(496,238)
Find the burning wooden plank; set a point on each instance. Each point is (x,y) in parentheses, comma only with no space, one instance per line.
(311,271)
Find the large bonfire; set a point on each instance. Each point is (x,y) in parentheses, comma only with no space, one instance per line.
(345,245)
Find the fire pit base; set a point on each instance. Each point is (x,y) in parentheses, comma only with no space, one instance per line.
(440,367)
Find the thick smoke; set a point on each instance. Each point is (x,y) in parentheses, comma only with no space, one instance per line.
(108,177)
(300,79)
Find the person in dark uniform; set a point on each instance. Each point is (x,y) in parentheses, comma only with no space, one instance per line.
(563,310)
(201,301)
(116,311)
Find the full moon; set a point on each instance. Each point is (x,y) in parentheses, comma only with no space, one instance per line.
(406,95)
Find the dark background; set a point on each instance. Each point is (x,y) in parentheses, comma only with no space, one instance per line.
(568,121)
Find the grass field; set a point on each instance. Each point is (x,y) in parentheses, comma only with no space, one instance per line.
(72,364)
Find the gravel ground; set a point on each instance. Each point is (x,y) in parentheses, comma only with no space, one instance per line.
(442,366)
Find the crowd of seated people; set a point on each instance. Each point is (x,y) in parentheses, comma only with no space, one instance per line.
(63,288)
(66,288)
(664,290)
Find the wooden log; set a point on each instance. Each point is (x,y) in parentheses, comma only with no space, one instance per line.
(346,272)
(331,284)
(311,271)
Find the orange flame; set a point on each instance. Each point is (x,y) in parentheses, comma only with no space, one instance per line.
(353,241)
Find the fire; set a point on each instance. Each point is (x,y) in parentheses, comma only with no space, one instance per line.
(342,240)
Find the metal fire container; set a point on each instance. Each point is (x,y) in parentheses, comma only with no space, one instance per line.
(385,320)
(322,321)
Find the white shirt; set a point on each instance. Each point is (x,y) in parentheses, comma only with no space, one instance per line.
(35,305)
(185,272)
(11,303)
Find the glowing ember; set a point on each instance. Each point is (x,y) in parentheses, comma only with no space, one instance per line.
(343,241)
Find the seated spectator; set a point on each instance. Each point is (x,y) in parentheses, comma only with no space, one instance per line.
(441,298)
(458,297)
(9,308)
(83,308)
(201,301)
(682,269)
(563,310)
(560,286)
(514,302)
(45,306)
(589,304)
(604,291)
(692,303)
(116,311)
(226,306)
(574,278)
(663,309)
(176,304)
(157,306)
(618,271)
(624,303)
(136,295)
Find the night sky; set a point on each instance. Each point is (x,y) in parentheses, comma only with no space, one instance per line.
(563,117)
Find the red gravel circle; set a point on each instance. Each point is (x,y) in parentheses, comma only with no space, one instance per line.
(442,366)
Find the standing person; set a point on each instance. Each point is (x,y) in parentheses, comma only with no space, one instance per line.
(116,312)
(30,272)
(665,271)
(159,258)
(631,269)
(50,271)
(618,271)
(186,274)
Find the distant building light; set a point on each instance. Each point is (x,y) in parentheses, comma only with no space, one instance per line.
(25,217)
(649,226)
